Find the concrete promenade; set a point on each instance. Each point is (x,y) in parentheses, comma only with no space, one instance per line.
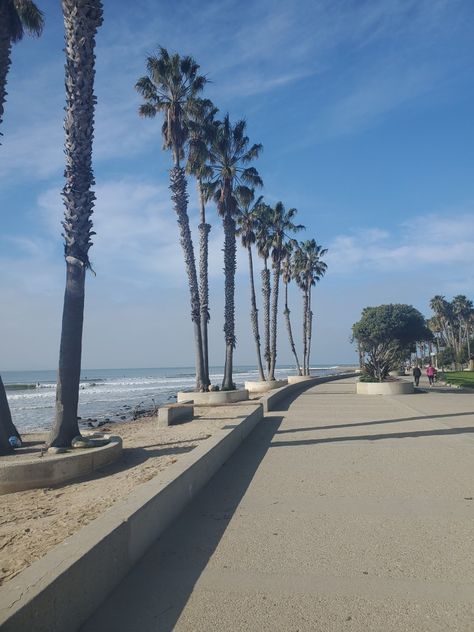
(338,513)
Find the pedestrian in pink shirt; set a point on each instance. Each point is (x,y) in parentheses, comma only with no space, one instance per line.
(431,372)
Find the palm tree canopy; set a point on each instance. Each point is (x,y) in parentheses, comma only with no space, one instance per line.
(22,15)
(201,128)
(247,218)
(281,225)
(308,264)
(229,152)
(171,87)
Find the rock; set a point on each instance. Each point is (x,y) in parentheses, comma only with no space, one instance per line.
(81,442)
(123,417)
(54,450)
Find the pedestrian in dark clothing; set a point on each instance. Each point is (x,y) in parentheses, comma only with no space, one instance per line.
(417,375)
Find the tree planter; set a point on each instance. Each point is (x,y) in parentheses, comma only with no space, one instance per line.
(213,398)
(396,387)
(264,386)
(296,379)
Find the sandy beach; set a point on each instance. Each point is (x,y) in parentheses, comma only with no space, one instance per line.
(34,521)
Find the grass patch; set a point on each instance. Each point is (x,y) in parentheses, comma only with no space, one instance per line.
(459,378)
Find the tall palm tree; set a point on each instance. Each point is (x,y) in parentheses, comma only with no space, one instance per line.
(263,248)
(228,156)
(16,17)
(82,18)
(202,127)
(172,87)
(247,223)
(287,275)
(310,269)
(281,222)
(463,309)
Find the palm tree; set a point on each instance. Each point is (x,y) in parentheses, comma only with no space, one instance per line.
(247,224)
(16,17)
(309,269)
(263,249)
(287,274)
(7,428)
(201,130)
(82,18)
(281,223)
(463,309)
(172,87)
(229,153)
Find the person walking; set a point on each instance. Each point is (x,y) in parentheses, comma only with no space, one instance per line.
(417,375)
(430,372)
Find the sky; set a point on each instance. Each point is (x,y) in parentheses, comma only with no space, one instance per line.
(365,111)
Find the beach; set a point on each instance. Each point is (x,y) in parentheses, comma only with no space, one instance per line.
(32,522)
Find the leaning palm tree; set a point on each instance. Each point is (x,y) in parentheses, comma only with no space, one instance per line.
(309,269)
(82,18)
(16,17)
(172,87)
(229,153)
(287,275)
(7,427)
(202,127)
(248,209)
(281,222)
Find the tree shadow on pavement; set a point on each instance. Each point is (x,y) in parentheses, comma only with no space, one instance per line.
(371,437)
(373,423)
(153,595)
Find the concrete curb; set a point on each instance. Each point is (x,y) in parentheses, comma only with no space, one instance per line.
(58,592)
(271,401)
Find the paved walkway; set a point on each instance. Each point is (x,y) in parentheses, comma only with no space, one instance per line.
(339,513)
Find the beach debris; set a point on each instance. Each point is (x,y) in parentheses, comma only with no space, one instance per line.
(14,441)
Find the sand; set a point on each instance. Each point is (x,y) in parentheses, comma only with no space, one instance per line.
(34,521)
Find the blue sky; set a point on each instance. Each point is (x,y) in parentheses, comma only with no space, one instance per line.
(365,111)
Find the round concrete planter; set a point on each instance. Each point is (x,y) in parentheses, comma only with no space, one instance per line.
(52,469)
(385,388)
(264,386)
(296,379)
(214,398)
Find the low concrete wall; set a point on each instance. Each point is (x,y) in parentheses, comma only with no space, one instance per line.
(173,413)
(53,469)
(385,388)
(58,592)
(213,398)
(264,386)
(271,401)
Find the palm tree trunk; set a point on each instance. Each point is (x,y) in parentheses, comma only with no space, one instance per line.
(229,292)
(66,426)
(290,332)
(266,292)
(180,201)
(5,55)
(305,325)
(274,321)
(81,21)
(254,315)
(204,230)
(309,330)
(7,428)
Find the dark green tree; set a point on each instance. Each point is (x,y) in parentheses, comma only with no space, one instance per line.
(386,331)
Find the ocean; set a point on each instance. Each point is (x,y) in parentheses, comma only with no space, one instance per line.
(114,394)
